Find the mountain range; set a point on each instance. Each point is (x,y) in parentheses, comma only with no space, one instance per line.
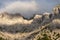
(39,27)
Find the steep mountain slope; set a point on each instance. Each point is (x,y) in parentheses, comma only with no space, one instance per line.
(39,27)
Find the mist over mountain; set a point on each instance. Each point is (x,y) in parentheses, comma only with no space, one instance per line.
(29,19)
(44,26)
(28,7)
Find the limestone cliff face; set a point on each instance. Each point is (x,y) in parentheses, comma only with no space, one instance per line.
(55,24)
(56,11)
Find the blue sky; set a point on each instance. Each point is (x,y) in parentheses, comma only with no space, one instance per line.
(31,6)
(3,3)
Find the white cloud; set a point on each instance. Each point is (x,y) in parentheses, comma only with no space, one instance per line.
(22,7)
(28,7)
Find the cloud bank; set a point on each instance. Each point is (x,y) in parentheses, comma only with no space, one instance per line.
(28,7)
(25,8)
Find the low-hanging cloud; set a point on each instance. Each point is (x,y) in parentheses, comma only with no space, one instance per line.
(29,7)
(25,8)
